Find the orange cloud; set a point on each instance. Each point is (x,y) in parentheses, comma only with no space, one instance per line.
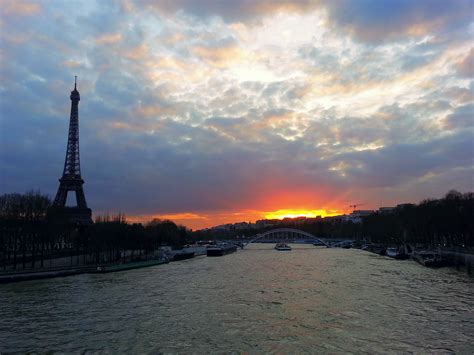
(169,63)
(466,66)
(219,56)
(262,7)
(155,111)
(127,5)
(109,38)
(16,38)
(232,11)
(22,8)
(197,221)
(71,63)
(136,125)
(174,38)
(181,216)
(138,53)
(188,219)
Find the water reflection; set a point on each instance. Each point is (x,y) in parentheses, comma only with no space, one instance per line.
(306,300)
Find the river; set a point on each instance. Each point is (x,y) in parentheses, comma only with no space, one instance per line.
(258,300)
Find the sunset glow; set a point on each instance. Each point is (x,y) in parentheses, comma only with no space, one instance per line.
(210,112)
(289,213)
(206,220)
(236,176)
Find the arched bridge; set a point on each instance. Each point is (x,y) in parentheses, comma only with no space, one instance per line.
(287,234)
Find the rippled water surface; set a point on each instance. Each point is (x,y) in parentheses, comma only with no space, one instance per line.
(255,300)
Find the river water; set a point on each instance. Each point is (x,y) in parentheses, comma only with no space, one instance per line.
(258,300)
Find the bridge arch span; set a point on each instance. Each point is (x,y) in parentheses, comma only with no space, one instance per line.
(285,234)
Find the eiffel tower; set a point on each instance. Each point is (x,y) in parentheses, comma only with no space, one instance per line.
(71,179)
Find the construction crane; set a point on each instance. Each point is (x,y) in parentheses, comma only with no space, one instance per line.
(356,204)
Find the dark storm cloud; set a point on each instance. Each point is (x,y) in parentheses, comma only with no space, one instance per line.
(164,171)
(368,20)
(238,10)
(398,164)
(377,21)
(462,118)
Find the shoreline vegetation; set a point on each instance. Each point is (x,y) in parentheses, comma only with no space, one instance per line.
(32,241)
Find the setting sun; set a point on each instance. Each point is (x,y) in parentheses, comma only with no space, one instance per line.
(290,213)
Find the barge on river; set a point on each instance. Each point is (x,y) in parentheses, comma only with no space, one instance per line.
(221,249)
(183,255)
(429,258)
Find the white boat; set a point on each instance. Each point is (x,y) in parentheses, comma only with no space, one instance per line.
(282,247)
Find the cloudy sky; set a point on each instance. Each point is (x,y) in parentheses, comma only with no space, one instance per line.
(220,111)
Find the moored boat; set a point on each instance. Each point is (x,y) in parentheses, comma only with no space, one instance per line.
(183,256)
(282,247)
(429,258)
(220,249)
(377,249)
(396,253)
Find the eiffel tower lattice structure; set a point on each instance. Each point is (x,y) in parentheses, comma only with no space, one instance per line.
(71,179)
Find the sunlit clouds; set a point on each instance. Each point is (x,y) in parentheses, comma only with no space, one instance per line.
(208,112)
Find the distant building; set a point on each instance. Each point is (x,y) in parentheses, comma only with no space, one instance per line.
(357,215)
(385,210)
(404,205)
(334,219)
(314,219)
(263,223)
(241,225)
(225,227)
(362,213)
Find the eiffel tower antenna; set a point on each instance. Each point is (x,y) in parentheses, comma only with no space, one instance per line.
(71,179)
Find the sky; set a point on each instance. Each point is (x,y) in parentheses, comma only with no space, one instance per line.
(207,112)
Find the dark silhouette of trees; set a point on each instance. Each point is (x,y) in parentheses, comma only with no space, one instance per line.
(23,228)
(448,222)
(29,236)
(165,232)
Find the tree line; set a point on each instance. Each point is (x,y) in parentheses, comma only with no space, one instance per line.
(31,238)
(448,222)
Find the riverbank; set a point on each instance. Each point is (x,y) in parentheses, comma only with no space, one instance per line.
(62,271)
(44,274)
(460,258)
(48,273)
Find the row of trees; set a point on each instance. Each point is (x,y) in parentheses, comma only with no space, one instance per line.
(448,221)
(30,237)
